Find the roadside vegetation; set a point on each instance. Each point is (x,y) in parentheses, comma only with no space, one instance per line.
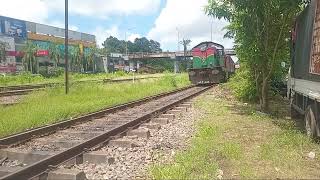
(28,78)
(261,30)
(235,140)
(52,105)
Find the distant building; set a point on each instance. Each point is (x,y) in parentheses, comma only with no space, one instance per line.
(15,33)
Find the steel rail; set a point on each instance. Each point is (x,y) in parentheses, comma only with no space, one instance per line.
(45,130)
(38,168)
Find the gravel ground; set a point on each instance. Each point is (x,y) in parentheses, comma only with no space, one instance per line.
(8,100)
(133,163)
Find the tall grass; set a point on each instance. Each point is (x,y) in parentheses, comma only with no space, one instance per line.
(27,78)
(52,105)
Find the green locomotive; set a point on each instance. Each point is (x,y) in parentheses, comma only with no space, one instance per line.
(210,64)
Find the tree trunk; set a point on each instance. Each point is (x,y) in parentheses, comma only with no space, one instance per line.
(31,68)
(264,101)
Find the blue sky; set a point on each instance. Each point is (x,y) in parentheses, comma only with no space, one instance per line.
(160,20)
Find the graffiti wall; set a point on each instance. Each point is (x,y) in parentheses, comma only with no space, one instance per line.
(8,62)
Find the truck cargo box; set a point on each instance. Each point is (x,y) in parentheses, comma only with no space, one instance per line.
(306,41)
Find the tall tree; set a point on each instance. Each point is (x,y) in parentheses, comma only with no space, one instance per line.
(30,61)
(261,29)
(114,45)
(54,53)
(76,59)
(142,45)
(90,57)
(155,46)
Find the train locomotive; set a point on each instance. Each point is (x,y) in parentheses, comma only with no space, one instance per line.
(210,65)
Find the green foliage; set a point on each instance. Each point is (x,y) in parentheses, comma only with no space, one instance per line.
(195,163)
(54,53)
(261,30)
(53,75)
(240,144)
(52,105)
(243,87)
(23,78)
(50,72)
(30,62)
(163,65)
(114,45)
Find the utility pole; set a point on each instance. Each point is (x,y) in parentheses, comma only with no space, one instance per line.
(175,62)
(178,39)
(211,27)
(125,38)
(66,48)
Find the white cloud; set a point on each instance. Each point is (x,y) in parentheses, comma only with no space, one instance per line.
(105,8)
(191,22)
(31,10)
(101,34)
(132,37)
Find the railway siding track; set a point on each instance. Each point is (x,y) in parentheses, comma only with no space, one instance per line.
(25,89)
(33,153)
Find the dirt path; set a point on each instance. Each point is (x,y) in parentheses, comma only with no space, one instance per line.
(234,140)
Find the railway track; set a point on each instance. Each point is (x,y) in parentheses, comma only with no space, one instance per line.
(25,89)
(38,152)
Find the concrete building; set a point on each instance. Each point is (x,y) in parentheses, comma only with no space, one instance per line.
(14,33)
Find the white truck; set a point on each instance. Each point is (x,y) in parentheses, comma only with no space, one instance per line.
(304,77)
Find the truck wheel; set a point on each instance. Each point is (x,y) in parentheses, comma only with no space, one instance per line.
(310,122)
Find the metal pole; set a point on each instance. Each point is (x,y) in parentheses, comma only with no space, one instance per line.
(178,40)
(175,61)
(211,28)
(125,37)
(66,48)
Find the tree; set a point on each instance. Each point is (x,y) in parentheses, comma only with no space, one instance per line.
(155,46)
(261,30)
(76,59)
(54,53)
(30,61)
(114,45)
(142,45)
(90,57)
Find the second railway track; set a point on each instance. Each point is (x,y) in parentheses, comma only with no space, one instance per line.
(33,153)
(25,89)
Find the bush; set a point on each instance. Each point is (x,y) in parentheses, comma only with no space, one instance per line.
(50,72)
(243,86)
(23,78)
(170,79)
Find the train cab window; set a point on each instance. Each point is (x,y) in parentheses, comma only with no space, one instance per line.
(203,47)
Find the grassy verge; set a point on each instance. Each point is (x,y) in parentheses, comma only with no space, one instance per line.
(52,105)
(24,79)
(233,140)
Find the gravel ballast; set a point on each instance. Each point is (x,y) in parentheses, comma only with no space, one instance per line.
(133,163)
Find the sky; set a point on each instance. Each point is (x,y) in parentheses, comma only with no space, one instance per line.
(160,20)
